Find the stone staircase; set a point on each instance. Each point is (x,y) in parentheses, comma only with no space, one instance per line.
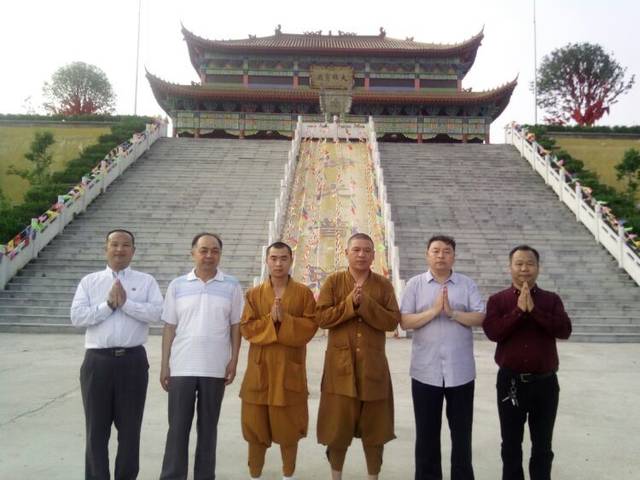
(179,188)
(490,200)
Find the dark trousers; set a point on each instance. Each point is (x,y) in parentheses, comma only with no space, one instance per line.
(537,402)
(114,389)
(186,393)
(427,407)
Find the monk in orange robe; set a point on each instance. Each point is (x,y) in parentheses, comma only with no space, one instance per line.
(278,321)
(357,306)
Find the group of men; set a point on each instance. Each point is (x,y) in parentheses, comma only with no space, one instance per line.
(205,315)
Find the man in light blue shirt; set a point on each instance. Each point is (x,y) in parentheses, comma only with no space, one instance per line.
(441,306)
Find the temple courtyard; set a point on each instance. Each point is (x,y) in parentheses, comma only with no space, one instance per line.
(42,423)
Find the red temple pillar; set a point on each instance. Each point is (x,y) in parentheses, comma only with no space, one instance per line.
(487,134)
(416,84)
(366,83)
(459,85)
(295,80)
(419,139)
(245,79)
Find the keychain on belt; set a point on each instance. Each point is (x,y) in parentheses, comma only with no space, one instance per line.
(513,390)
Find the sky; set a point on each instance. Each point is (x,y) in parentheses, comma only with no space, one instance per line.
(39,36)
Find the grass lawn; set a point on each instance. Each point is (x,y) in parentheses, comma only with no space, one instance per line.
(600,155)
(16,139)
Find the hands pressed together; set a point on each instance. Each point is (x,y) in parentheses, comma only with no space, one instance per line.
(357,295)
(117,295)
(525,300)
(276,310)
(442,304)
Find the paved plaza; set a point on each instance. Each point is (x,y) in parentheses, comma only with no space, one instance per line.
(42,424)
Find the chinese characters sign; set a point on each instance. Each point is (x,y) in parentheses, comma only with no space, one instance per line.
(331,78)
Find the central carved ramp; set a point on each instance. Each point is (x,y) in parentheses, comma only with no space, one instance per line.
(334,195)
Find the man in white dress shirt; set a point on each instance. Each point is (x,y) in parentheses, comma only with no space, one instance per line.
(200,346)
(441,306)
(116,306)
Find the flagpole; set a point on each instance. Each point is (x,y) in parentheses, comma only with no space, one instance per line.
(535,68)
(135,95)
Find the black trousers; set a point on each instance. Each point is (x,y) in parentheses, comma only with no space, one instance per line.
(537,403)
(427,407)
(186,394)
(113,383)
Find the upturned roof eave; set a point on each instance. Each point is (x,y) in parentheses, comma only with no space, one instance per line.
(359,96)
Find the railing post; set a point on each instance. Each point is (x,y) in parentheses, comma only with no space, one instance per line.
(598,212)
(263,270)
(534,152)
(61,210)
(579,201)
(85,193)
(32,241)
(4,268)
(563,182)
(547,167)
(620,245)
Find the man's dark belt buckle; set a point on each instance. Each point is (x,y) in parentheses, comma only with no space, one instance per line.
(525,377)
(119,352)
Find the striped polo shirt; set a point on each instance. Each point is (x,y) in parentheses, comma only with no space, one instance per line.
(203,313)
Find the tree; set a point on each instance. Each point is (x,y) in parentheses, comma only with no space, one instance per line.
(580,82)
(629,169)
(77,89)
(40,156)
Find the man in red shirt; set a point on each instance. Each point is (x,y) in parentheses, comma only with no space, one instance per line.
(525,321)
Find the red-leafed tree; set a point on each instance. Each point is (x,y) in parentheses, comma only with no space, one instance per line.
(79,89)
(580,82)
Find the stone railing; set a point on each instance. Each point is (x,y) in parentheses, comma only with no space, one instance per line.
(280,210)
(393,253)
(595,216)
(26,245)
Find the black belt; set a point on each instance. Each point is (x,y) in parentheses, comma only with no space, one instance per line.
(117,351)
(527,377)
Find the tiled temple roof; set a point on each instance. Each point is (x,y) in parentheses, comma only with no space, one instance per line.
(305,95)
(343,43)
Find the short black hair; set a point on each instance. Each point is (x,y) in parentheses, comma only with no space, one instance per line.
(122,230)
(524,248)
(359,236)
(206,234)
(444,239)
(280,245)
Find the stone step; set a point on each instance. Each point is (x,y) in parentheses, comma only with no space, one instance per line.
(490,200)
(180,188)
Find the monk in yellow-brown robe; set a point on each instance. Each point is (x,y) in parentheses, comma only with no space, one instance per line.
(278,321)
(357,306)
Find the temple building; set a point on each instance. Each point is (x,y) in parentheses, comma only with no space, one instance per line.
(258,86)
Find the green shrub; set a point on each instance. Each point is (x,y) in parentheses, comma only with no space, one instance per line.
(39,199)
(620,204)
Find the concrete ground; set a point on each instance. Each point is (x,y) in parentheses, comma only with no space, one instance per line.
(42,425)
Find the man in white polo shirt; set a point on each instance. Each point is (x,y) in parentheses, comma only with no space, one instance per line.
(116,306)
(200,346)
